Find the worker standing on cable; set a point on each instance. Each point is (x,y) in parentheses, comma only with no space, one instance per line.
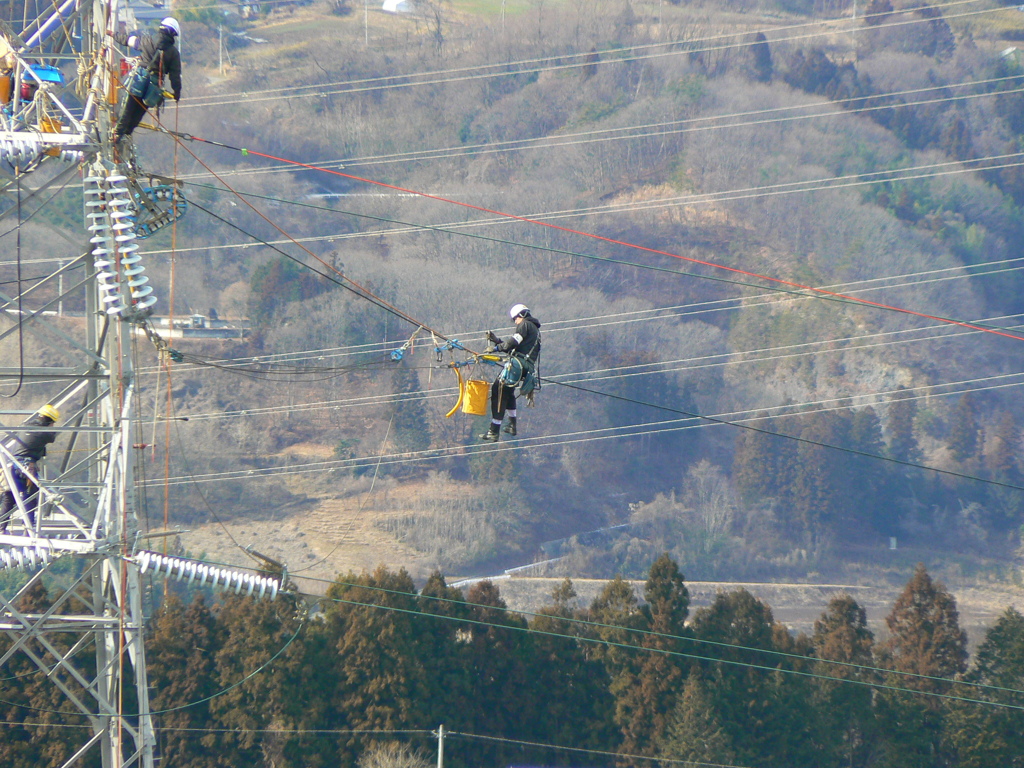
(521,370)
(29,450)
(158,55)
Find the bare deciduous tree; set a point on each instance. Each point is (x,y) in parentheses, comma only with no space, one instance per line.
(392,754)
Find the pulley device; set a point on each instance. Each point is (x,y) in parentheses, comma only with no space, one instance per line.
(157,204)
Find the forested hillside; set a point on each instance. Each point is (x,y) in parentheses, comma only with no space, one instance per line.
(775,247)
(749,231)
(631,679)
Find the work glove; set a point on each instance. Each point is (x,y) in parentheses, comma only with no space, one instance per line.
(492,338)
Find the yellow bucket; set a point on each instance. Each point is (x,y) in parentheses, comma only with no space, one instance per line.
(474,401)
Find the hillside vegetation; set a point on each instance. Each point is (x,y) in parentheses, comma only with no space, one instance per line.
(875,157)
(679,129)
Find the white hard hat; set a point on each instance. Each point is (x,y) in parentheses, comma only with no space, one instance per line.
(517,310)
(171,24)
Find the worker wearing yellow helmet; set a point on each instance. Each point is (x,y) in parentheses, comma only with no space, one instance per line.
(29,448)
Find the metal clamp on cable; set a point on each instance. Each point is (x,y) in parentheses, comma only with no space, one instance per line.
(399,353)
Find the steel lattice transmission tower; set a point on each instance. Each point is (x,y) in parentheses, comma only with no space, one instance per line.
(89,644)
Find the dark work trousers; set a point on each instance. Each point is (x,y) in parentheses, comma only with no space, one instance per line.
(26,488)
(502,398)
(134,111)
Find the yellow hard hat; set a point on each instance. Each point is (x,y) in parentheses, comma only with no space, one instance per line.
(50,411)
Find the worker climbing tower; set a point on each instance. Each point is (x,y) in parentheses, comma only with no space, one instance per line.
(58,102)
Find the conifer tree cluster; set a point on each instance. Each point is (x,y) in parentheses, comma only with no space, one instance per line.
(819,496)
(635,677)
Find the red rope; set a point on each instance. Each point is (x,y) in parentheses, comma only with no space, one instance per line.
(613,241)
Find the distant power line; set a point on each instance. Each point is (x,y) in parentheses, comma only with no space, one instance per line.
(682,47)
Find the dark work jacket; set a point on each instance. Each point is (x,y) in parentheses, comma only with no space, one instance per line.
(525,341)
(32,445)
(149,46)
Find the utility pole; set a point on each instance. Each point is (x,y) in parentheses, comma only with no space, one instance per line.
(440,746)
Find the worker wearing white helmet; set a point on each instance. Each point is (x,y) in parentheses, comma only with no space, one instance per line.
(171,25)
(159,56)
(523,348)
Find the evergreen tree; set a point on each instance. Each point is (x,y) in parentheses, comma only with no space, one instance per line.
(737,625)
(753,465)
(577,707)
(980,736)
(644,708)
(924,639)
(43,728)
(924,634)
(275,283)
(381,683)
(496,655)
(822,485)
(617,611)
(796,733)
(761,55)
(52,730)
(1002,458)
(845,710)
(448,689)
(181,657)
(763,464)
(870,493)
(762,708)
(247,704)
(695,732)
(16,746)
(902,412)
(963,430)
(1005,504)
(410,429)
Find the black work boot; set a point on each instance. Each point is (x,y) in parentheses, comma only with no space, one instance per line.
(510,428)
(491,435)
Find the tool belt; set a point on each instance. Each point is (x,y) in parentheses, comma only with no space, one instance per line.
(30,473)
(519,371)
(145,86)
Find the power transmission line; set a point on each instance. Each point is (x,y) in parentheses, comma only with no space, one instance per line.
(777,115)
(698,363)
(611,56)
(743,419)
(545,222)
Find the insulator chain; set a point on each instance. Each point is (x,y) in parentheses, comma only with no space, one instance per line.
(108,203)
(21,151)
(201,574)
(26,558)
